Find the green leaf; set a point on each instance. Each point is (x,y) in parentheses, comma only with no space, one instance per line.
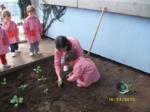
(4,81)
(22,87)
(14,99)
(34,69)
(16,105)
(46,91)
(20,100)
(20,76)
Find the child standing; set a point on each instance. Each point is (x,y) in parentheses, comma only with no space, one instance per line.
(4,48)
(12,32)
(84,71)
(33,30)
(2,8)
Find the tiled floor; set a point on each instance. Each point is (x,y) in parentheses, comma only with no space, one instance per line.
(23,58)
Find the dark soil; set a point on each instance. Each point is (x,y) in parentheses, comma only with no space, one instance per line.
(70,98)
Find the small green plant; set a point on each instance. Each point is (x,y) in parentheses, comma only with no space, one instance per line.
(45,91)
(125,87)
(23,86)
(37,70)
(20,76)
(42,78)
(4,81)
(16,101)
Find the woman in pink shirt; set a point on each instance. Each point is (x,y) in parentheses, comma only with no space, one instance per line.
(84,71)
(33,30)
(4,45)
(63,45)
(12,32)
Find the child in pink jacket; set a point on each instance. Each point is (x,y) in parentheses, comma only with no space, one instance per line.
(84,71)
(63,45)
(12,32)
(4,48)
(33,30)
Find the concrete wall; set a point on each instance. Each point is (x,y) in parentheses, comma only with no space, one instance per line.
(130,7)
(122,38)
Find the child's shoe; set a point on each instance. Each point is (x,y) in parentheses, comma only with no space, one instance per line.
(17,51)
(31,54)
(5,66)
(38,53)
(13,54)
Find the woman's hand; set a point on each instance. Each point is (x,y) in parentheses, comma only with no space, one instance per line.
(59,82)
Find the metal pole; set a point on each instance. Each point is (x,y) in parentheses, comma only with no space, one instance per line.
(104,9)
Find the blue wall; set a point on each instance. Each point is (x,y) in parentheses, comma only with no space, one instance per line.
(122,38)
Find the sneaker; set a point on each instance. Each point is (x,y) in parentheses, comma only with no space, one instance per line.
(17,51)
(13,54)
(6,66)
(38,53)
(31,54)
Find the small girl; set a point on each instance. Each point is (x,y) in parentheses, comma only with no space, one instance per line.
(33,30)
(4,48)
(12,32)
(84,71)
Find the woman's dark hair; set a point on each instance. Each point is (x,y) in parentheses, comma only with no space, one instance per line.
(62,42)
(70,56)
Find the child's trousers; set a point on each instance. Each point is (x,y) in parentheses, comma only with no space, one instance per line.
(3,59)
(14,47)
(34,47)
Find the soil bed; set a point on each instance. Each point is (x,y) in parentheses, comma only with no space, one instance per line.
(45,96)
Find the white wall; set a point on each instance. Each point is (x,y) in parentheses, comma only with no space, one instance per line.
(124,39)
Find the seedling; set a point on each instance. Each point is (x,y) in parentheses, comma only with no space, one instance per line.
(20,76)
(37,70)
(125,87)
(23,87)
(45,91)
(4,81)
(42,78)
(16,101)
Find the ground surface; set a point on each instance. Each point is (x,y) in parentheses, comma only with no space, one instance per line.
(71,98)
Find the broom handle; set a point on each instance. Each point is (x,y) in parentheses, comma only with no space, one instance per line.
(96,32)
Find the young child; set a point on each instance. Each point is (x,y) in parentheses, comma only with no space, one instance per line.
(4,48)
(2,8)
(84,71)
(33,30)
(63,45)
(12,32)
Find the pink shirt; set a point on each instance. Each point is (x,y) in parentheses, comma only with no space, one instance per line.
(32,29)
(4,42)
(58,55)
(84,72)
(12,31)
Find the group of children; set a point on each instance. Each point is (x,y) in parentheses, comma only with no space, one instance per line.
(9,34)
(68,50)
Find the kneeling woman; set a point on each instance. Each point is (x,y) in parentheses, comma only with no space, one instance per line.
(63,45)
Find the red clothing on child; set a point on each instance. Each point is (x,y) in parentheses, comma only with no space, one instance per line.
(32,29)
(84,72)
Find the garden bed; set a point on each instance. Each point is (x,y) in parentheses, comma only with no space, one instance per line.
(41,94)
